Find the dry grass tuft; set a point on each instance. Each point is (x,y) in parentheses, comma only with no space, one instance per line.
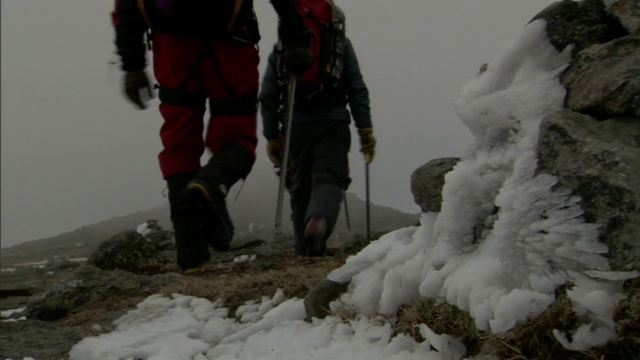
(534,338)
(531,340)
(627,317)
(442,318)
(102,313)
(346,312)
(236,283)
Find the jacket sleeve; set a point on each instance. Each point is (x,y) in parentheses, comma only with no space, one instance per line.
(356,89)
(270,100)
(129,30)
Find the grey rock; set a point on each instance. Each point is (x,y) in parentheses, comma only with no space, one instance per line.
(604,80)
(593,145)
(579,23)
(427,182)
(128,251)
(600,162)
(316,303)
(161,240)
(628,14)
(87,284)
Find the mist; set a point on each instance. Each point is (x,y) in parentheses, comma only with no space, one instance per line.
(75,152)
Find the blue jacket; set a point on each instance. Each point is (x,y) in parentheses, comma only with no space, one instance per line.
(351,91)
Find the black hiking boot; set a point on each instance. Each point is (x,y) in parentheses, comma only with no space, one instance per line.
(297,218)
(217,227)
(209,188)
(315,236)
(192,251)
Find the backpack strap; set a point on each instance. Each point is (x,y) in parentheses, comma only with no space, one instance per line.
(143,12)
(234,16)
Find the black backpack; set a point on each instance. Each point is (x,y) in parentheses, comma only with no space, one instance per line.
(233,19)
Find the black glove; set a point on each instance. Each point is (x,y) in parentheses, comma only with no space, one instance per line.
(297,54)
(297,59)
(137,88)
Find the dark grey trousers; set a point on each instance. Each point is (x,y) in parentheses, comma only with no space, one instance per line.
(319,172)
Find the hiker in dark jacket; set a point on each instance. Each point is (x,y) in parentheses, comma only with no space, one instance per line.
(201,56)
(320,140)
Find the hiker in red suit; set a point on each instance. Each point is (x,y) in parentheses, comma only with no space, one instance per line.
(203,52)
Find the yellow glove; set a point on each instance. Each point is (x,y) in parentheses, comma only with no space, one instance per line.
(275,152)
(367,144)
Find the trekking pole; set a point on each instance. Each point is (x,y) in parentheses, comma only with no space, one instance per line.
(346,210)
(285,157)
(366,181)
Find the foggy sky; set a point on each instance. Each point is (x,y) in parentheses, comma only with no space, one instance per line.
(74,152)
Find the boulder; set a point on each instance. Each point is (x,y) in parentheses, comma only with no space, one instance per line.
(628,14)
(427,182)
(604,80)
(579,24)
(600,162)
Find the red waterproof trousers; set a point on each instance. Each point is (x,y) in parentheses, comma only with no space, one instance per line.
(191,70)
